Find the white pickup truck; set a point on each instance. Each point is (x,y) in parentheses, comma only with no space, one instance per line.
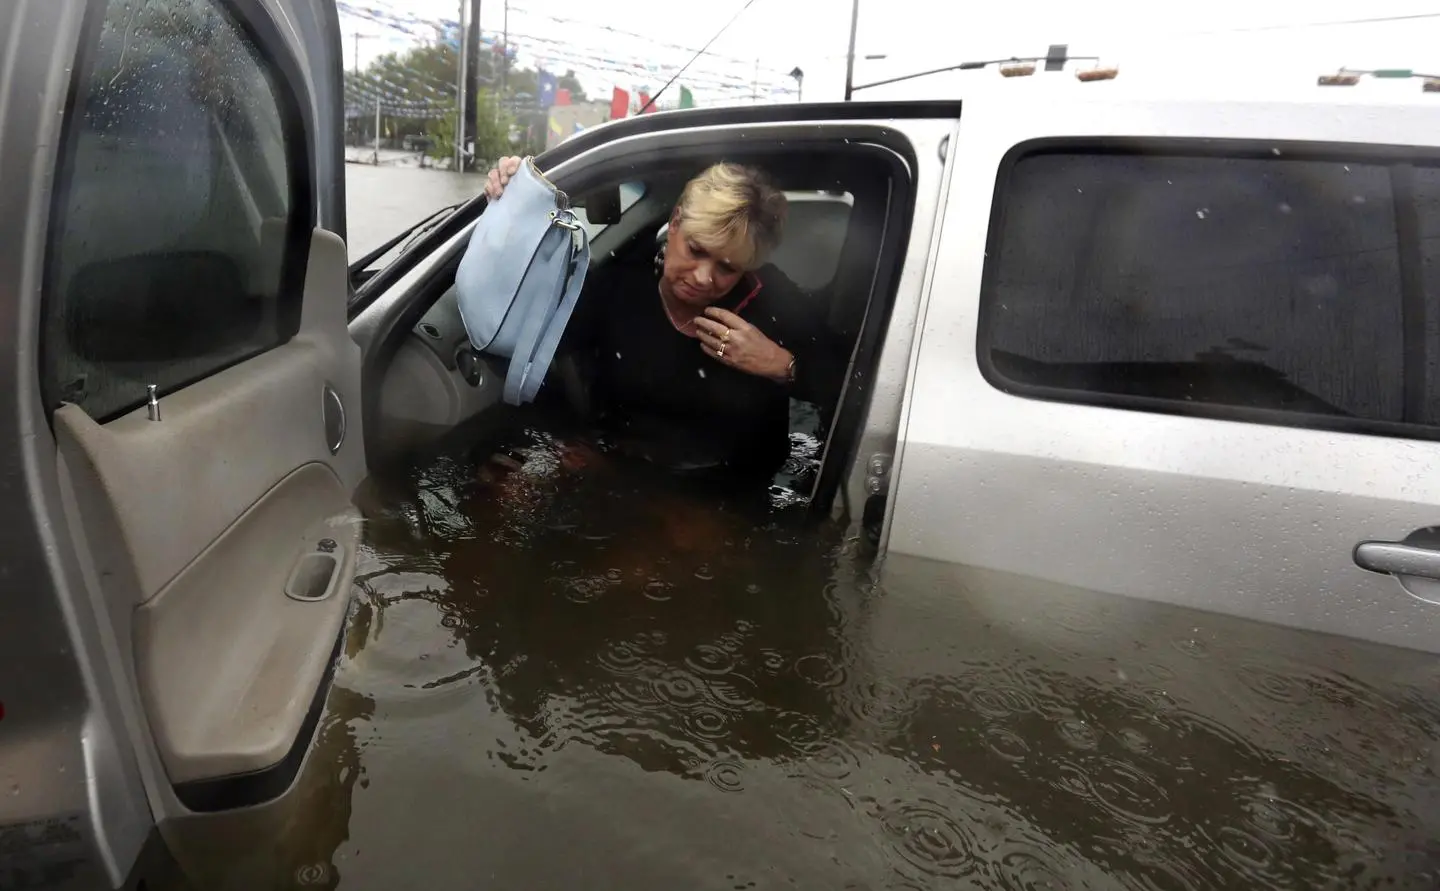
(1180,350)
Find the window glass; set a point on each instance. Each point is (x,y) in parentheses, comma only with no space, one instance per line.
(629,194)
(1266,283)
(1427,210)
(175,210)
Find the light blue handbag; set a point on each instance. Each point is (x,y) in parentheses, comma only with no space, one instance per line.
(520,278)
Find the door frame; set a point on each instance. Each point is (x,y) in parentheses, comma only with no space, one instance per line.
(388,312)
(80,716)
(75,701)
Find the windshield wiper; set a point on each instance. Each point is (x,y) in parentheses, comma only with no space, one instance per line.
(408,236)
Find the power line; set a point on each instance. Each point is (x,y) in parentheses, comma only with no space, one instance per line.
(563,53)
(723,29)
(424,29)
(1292,26)
(635,34)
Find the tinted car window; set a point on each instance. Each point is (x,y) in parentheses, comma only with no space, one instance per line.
(179,215)
(1257,283)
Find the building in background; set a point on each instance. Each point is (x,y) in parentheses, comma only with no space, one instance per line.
(567,120)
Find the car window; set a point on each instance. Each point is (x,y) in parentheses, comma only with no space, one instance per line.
(1270,283)
(182,212)
(816,226)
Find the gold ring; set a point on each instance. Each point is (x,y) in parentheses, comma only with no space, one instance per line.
(720,351)
(725,338)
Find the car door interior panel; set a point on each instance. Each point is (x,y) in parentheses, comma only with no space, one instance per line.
(229,604)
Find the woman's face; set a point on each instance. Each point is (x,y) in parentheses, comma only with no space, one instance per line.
(695,275)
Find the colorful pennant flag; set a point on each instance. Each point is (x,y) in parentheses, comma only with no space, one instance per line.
(548,86)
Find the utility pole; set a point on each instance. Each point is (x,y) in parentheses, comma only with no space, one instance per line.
(504,59)
(377,129)
(360,130)
(359,37)
(462,57)
(473,77)
(850,57)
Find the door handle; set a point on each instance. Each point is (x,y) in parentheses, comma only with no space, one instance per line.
(1398,558)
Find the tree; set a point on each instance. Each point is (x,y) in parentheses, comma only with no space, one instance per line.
(416,93)
(492,136)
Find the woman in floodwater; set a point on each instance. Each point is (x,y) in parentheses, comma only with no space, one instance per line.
(692,359)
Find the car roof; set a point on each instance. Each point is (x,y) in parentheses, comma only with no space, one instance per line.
(944,95)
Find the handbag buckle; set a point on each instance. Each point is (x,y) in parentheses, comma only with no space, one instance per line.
(563,224)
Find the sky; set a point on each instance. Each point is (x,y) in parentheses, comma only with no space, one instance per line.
(1224,43)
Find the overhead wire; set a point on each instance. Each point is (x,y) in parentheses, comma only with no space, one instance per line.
(549,49)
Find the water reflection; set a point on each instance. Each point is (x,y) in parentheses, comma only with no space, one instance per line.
(563,673)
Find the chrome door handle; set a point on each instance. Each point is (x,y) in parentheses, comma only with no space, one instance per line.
(1398,558)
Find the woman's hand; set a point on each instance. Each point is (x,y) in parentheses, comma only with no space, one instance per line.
(730,340)
(500,175)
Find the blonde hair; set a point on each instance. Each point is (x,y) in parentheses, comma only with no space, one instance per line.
(733,210)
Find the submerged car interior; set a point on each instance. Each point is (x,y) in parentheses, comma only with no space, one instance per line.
(225,606)
(840,203)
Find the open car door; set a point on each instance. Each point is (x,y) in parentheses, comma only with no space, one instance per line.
(193,392)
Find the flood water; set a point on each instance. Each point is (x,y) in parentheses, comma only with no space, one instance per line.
(562,672)
(382,201)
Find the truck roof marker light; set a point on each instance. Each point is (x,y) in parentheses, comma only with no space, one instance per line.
(1349,77)
(1086,75)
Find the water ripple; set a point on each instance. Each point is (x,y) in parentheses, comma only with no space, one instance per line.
(1032,867)
(833,760)
(879,705)
(679,688)
(1078,734)
(799,731)
(586,589)
(726,775)
(706,724)
(734,692)
(1193,647)
(1291,685)
(1000,700)
(928,838)
(821,670)
(1252,855)
(1121,788)
(1007,744)
(711,660)
(623,657)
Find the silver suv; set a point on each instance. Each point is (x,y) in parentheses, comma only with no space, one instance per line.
(1174,350)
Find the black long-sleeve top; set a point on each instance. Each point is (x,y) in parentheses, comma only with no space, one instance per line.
(657,391)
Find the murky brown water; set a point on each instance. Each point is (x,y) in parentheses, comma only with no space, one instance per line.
(572,675)
(382,201)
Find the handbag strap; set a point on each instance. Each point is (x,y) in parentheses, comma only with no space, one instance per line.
(549,305)
(572,282)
